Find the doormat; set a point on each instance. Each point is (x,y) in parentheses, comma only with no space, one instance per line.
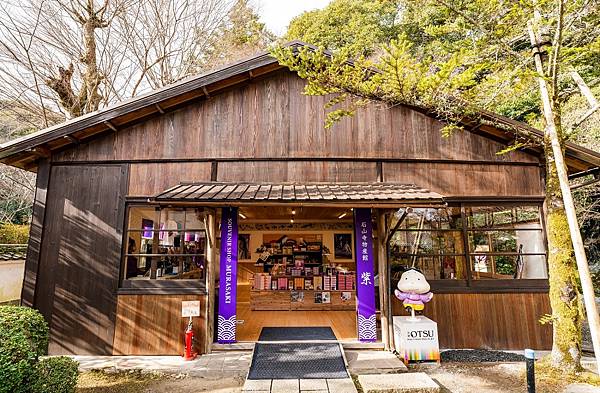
(297,361)
(300,333)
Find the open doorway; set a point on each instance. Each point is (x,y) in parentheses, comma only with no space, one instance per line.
(296,267)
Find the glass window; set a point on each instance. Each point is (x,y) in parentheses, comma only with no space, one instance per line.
(430,240)
(502,242)
(506,242)
(165,244)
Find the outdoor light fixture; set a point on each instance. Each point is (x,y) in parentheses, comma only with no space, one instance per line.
(242,215)
(342,215)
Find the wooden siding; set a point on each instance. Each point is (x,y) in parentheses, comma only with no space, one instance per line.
(269,131)
(80,257)
(468,180)
(492,320)
(34,243)
(152,325)
(297,171)
(151,179)
(272,118)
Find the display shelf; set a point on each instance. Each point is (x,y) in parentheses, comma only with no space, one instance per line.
(280,300)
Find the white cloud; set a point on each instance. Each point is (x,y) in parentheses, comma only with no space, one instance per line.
(276,14)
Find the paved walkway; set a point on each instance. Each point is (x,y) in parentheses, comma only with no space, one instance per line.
(212,366)
(299,386)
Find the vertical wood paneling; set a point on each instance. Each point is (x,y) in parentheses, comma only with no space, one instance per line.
(35,234)
(80,257)
(272,118)
(489,320)
(297,171)
(468,180)
(152,325)
(151,179)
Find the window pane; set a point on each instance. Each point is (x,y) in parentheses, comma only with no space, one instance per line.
(194,219)
(159,248)
(427,242)
(141,217)
(434,267)
(502,216)
(509,267)
(427,219)
(172,219)
(509,241)
(528,215)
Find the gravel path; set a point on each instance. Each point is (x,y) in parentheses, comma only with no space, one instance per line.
(480,355)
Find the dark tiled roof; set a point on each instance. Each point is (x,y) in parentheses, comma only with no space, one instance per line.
(288,192)
(12,253)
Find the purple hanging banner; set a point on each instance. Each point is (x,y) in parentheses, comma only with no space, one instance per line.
(365,280)
(228,276)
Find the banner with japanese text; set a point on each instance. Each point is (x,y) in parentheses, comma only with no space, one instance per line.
(365,280)
(228,276)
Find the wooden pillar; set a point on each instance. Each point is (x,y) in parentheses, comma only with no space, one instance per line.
(210,266)
(384,291)
(34,244)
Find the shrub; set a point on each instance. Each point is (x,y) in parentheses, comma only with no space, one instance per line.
(23,338)
(55,375)
(14,234)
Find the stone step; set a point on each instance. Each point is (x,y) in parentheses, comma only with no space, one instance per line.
(373,362)
(398,383)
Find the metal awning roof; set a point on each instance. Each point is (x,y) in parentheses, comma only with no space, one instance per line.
(317,193)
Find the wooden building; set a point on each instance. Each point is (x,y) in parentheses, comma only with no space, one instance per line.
(129,200)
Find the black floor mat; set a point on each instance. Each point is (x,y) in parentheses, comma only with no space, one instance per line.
(297,361)
(300,333)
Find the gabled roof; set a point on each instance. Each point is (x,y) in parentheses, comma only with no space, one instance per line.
(25,151)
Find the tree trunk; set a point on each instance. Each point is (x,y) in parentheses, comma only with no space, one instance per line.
(565,298)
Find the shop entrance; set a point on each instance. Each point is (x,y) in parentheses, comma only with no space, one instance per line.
(297,267)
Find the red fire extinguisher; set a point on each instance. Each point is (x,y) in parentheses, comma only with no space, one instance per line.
(189,354)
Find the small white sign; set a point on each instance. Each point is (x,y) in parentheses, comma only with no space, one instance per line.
(190,308)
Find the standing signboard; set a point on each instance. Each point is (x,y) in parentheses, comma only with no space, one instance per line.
(228,276)
(365,279)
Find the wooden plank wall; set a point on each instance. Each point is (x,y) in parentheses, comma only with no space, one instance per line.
(80,257)
(297,171)
(489,320)
(152,325)
(271,119)
(152,179)
(468,180)
(34,243)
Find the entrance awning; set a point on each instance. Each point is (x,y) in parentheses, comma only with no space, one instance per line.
(314,193)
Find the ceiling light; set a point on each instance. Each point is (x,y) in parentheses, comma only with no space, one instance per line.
(242,215)
(293,212)
(342,215)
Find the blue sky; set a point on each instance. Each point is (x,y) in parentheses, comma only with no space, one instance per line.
(276,14)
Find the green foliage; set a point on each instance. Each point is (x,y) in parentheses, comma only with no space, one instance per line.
(354,27)
(55,375)
(23,338)
(455,58)
(14,234)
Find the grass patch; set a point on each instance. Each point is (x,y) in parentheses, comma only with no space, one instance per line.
(122,382)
